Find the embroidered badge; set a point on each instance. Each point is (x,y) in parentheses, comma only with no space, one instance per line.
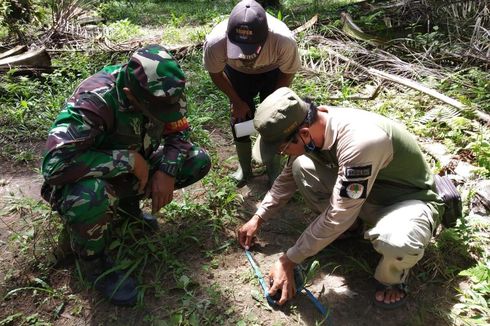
(354,189)
(353,172)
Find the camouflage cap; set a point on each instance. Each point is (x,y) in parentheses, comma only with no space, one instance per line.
(277,118)
(153,70)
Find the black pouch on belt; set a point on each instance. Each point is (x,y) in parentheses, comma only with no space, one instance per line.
(452,200)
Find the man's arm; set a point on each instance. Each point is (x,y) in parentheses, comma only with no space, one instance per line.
(282,190)
(224,84)
(362,152)
(70,155)
(168,160)
(284,80)
(240,109)
(280,193)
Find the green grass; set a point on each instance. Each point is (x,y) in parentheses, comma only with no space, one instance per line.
(29,105)
(166,13)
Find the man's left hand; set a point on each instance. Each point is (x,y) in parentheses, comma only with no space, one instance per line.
(282,276)
(162,190)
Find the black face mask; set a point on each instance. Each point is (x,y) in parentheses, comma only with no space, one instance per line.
(310,147)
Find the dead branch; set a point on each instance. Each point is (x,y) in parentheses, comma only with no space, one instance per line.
(483,116)
(15,50)
(354,31)
(417,86)
(402,81)
(313,20)
(377,58)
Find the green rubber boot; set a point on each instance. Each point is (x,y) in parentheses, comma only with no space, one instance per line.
(273,169)
(244,171)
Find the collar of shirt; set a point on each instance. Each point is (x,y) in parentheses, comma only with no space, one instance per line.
(330,131)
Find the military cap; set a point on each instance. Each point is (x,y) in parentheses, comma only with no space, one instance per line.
(277,118)
(153,74)
(154,70)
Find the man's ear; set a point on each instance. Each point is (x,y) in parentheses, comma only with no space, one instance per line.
(322,108)
(304,132)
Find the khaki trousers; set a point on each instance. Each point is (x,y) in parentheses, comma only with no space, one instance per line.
(400,231)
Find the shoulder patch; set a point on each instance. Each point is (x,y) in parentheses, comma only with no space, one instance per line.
(354,189)
(353,172)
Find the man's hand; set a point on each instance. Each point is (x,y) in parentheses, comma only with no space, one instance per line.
(162,190)
(240,110)
(248,230)
(140,170)
(282,276)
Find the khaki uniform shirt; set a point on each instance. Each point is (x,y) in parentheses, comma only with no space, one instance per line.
(378,161)
(279,51)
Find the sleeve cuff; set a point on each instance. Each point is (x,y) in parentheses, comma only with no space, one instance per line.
(295,255)
(170,169)
(262,213)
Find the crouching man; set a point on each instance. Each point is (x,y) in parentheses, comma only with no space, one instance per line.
(346,163)
(122,136)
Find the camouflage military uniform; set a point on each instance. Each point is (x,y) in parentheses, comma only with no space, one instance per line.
(88,164)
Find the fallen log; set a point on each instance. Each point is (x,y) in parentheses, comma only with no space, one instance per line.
(37,58)
(409,83)
(13,51)
(82,21)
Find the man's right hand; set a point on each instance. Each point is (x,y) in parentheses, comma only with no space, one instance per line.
(248,230)
(240,111)
(141,170)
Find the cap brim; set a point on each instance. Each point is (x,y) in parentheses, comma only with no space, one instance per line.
(264,151)
(239,50)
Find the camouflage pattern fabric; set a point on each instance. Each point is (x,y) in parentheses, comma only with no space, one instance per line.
(154,70)
(89,205)
(90,143)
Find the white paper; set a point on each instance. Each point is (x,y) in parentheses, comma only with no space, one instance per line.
(244,128)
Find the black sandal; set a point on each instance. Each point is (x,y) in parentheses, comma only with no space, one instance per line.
(392,305)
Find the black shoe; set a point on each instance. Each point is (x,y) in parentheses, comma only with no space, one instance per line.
(115,286)
(131,209)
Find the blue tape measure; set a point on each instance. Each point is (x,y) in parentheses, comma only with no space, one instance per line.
(318,305)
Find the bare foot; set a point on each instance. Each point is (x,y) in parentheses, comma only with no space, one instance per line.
(392,295)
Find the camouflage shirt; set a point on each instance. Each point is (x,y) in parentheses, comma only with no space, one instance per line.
(97,128)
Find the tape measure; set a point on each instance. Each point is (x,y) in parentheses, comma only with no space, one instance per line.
(299,287)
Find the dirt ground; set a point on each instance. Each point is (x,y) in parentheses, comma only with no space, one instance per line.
(346,290)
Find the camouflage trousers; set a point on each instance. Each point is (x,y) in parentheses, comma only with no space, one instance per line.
(88,206)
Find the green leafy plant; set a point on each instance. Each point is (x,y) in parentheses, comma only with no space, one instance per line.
(123,30)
